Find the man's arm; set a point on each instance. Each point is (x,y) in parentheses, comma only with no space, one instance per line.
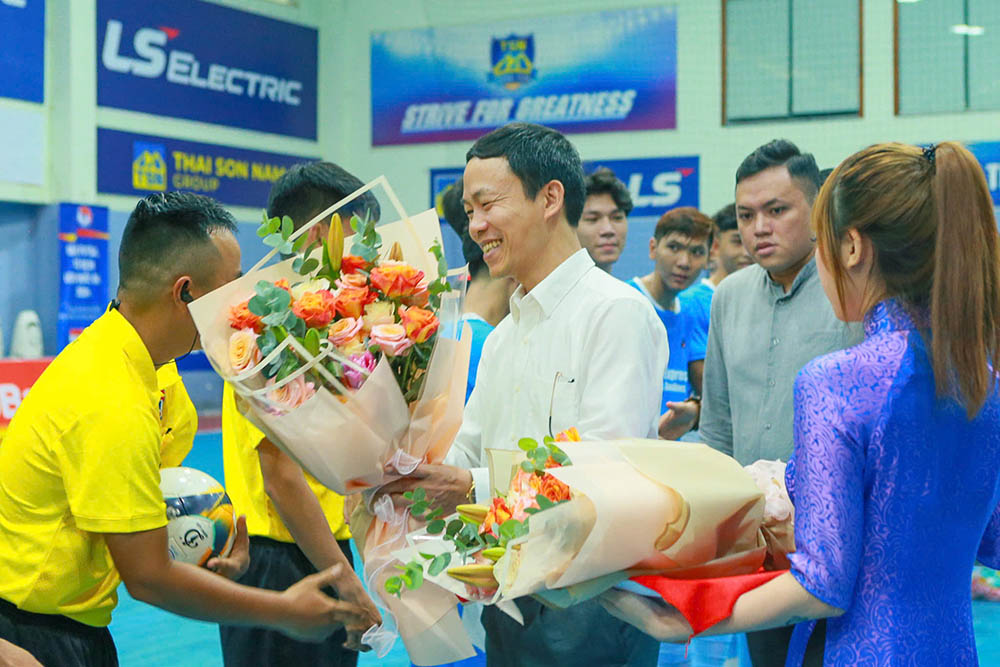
(683,415)
(299,509)
(302,611)
(716,422)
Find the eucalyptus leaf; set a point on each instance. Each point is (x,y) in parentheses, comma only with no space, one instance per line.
(311,341)
(527,444)
(435,527)
(273,225)
(438,564)
(273,241)
(300,242)
(453,527)
(287,227)
(309,266)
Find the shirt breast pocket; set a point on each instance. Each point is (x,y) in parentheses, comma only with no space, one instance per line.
(557,402)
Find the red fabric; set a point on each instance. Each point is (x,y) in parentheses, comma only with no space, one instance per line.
(705,602)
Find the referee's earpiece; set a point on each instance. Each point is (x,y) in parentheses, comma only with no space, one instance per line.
(185,294)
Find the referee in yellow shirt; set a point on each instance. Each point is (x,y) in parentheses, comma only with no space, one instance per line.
(296,525)
(80,504)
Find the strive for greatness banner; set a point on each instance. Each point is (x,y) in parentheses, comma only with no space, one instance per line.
(988,154)
(198,60)
(604,71)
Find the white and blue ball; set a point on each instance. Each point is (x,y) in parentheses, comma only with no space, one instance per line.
(200,517)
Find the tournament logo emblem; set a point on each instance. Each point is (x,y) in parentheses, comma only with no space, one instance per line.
(149,169)
(512,61)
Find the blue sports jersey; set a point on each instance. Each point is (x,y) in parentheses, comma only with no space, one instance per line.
(697,301)
(683,346)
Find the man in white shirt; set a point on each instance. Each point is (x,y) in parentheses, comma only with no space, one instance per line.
(579,348)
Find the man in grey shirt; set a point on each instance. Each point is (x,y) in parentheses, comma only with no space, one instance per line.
(767,321)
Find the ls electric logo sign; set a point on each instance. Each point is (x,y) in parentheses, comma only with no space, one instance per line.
(204,62)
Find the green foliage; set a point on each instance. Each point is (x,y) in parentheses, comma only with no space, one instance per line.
(440,285)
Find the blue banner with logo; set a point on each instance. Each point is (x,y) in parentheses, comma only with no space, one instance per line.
(988,154)
(22,57)
(604,71)
(83,268)
(140,164)
(656,184)
(198,60)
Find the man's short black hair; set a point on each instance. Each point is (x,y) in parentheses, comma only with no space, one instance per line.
(311,187)
(725,219)
(537,154)
(781,152)
(454,214)
(604,182)
(163,233)
(825,174)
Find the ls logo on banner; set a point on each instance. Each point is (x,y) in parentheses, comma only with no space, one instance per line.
(201,61)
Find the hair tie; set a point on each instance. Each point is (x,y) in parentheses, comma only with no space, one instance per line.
(929,152)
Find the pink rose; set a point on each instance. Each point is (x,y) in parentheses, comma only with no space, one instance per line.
(354,377)
(291,394)
(345,331)
(391,338)
(243,350)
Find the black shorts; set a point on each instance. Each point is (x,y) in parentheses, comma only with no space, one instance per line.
(276,566)
(57,641)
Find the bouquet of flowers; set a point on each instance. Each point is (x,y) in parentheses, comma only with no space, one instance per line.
(347,358)
(579,518)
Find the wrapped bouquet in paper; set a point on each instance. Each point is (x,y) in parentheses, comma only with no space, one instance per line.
(348,355)
(579,518)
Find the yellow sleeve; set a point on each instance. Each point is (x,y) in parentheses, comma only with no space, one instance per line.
(111,470)
(240,429)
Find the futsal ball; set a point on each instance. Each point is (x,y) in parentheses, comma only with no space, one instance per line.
(200,516)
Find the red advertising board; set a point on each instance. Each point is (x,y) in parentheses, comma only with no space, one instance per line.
(16,378)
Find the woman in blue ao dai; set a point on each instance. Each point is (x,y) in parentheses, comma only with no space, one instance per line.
(896,472)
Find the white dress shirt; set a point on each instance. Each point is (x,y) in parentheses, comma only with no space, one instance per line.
(581,342)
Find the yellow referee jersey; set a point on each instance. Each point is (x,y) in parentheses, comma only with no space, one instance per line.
(245,484)
(81,458)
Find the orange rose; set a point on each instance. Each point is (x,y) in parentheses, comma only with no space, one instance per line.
(420,324)
(350,301)
(421,295)
(352,264)
(316,308)
(396,279)
(283,284)
(240,317)
(553,489)
(569,435)
(495,515)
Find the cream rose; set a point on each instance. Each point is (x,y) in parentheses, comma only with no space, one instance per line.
(243,350)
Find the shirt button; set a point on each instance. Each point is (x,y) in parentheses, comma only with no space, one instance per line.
(767,427)
(770,382)
(774,341)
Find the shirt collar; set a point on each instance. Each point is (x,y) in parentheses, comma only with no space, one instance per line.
(554,287)
(805,273)
(674,308)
